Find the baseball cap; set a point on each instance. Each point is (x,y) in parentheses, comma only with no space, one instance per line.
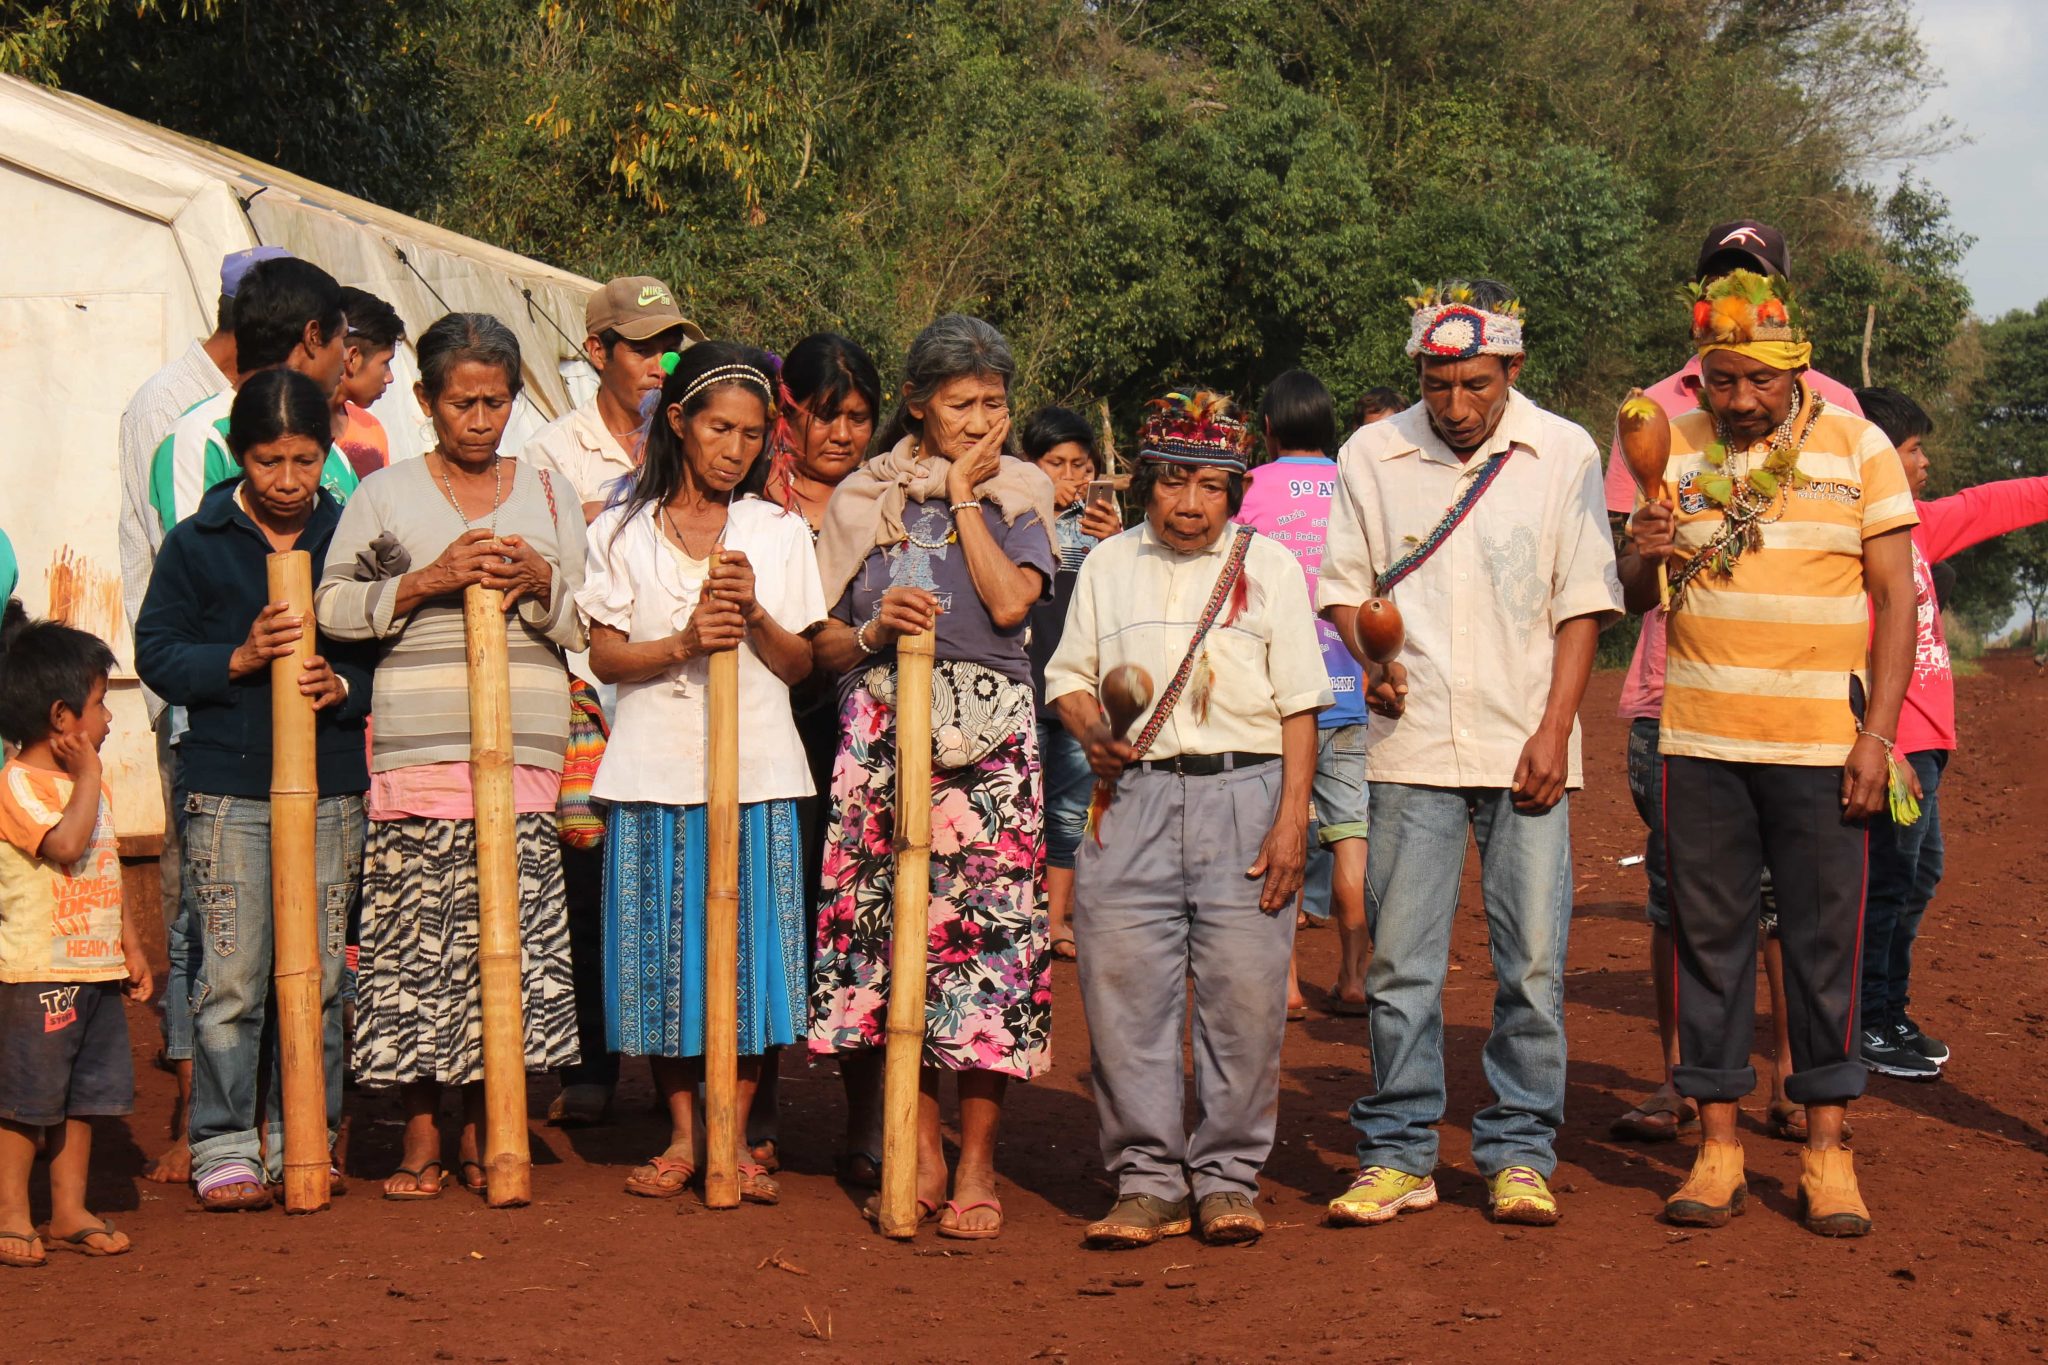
(636,307)
(1759,242)
(237,264)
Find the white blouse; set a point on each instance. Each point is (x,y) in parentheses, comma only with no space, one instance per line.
(635,583)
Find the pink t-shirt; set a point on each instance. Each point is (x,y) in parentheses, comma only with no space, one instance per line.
(1288,500)
(1642,691)
(1948,526)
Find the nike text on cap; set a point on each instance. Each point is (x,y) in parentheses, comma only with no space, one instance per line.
(636,307)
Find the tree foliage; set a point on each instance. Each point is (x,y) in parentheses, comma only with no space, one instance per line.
(1138,192)
(2002,434)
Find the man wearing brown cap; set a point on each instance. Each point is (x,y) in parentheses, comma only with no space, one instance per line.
(630,322)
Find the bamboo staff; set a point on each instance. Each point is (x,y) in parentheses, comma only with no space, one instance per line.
(905,1055)
(722,937)
(295,897)
(508,1168)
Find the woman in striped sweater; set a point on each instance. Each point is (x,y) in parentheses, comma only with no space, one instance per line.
(414,536)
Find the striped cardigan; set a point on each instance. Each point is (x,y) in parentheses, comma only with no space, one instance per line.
(399,521)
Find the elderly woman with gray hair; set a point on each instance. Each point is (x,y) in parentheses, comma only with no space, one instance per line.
(945,529)
(411,540)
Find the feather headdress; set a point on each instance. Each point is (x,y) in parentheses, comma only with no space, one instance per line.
(1448,326)
(1199,428)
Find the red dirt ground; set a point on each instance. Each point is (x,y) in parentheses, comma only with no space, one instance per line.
(1958,1266)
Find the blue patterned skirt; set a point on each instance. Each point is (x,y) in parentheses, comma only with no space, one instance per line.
(654,929)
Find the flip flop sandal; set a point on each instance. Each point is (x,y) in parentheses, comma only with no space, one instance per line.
(1297,1013)
(661,1186)
(19,1260)
(419,1178)
(479,1186)
(1073,952)
(756,1187)
(958,1210)
(1346,1009)
(77,1241)
(872,1211)
(1787,1122)
(212,1189)
(1640,1124)
(860,1169)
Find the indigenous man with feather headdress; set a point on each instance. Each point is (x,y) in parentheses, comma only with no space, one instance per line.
(1200,827)
(1786,524)
(1479,515)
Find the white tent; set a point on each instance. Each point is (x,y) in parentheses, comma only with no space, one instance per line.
(110,249)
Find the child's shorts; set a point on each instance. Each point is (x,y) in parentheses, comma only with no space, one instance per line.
(63,1052)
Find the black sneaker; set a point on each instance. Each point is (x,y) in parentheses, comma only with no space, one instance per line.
(1882,1054)
(1907,1035)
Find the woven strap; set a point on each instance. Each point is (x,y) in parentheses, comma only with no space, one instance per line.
(1431,543)
(1232,567)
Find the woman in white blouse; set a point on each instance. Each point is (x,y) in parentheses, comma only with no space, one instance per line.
(678,568)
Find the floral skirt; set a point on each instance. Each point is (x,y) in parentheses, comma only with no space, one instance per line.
(988,994)
(419,989)
(654,930)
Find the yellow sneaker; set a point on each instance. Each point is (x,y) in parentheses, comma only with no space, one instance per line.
(1378,1195)
(1714,1192)
(1829,1201)
(1519,1195)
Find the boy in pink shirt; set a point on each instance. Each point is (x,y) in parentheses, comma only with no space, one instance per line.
(1905,860)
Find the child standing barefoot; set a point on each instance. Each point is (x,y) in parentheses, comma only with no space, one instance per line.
(67,954)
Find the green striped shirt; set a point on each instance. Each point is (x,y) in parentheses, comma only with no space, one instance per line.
(194,457)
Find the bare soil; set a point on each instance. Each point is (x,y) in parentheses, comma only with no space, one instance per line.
(1954,1172)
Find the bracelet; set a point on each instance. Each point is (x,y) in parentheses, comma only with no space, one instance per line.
(1872,734)
(968,506)
(860,637)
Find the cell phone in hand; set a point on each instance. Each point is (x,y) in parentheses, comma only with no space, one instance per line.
(1103,491)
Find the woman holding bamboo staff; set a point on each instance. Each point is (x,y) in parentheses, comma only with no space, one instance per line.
(414,537)
(944,529)
(207,632)
(830,400)
(679,569)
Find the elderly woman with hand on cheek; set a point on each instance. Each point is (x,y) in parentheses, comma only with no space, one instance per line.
(204,640)
(412,539)
(681,568)
(944,530)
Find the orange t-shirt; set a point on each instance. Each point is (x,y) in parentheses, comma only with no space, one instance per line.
(364,441)
(1760,663)
(57,923)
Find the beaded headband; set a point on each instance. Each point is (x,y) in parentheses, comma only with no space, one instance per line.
(726,374)
(1448,326)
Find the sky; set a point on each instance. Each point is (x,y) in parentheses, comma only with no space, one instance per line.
(1990,53)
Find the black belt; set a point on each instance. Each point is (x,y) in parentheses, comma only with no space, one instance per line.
(1206,765)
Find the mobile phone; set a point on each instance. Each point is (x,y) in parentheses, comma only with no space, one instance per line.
(1104,492)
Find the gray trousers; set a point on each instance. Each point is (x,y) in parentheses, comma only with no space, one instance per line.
(1161,900)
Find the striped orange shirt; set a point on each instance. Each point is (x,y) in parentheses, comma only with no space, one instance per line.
(1761,662)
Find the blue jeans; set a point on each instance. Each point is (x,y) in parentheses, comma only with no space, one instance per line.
(1905,867)
(181,945)
(227,886)
(1413,867)
(1063,767)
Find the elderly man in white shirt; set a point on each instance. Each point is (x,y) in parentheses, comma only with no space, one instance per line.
(1480,516)
(1194,862)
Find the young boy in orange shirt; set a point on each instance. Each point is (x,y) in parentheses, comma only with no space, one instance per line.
(67,953)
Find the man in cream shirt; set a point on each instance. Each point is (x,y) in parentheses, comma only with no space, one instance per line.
(1193,868)
(631,323)
(1480,516)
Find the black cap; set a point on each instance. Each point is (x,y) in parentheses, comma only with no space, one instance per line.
(1759,243)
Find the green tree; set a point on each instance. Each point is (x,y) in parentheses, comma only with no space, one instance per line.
(2004,435)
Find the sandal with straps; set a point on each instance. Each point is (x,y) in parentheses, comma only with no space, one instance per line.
(756,1186)
(671,1176)
(419,1192)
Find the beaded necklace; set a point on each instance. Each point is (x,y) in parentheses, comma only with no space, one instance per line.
(1750,500)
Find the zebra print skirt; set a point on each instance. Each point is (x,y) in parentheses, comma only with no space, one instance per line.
(419,1015)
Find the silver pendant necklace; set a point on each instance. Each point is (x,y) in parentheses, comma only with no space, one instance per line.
(497,491)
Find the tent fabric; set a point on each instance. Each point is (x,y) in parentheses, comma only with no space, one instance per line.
(110,256)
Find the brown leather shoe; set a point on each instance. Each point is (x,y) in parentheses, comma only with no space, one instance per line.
(1830,1204)
(1138,1220)
(1228,1218)
(1714,1192)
